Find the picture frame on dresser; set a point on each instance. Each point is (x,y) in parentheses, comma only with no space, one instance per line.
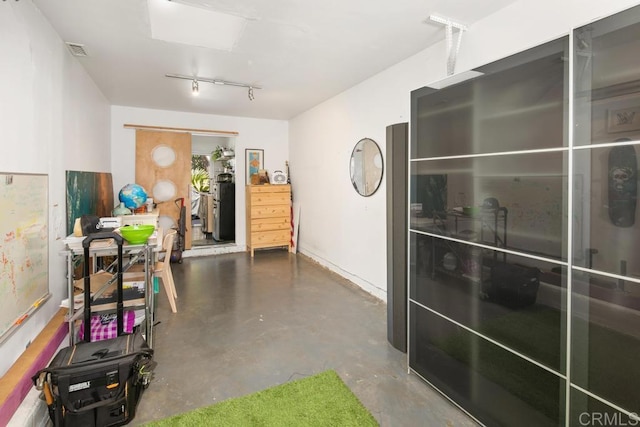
(253,161)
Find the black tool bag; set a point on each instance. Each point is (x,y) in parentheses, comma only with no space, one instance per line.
(513,285)
(97,383)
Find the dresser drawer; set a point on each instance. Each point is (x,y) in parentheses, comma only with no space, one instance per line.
(277,198)
(258,212)
(259,189)
(267,224)
(275,238)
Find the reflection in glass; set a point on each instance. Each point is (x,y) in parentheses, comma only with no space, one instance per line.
(498,387)
(528,315)
(606,309)
(518,104)
(603,244)
(587,411)
(366,167)
(512,201)
(605,318)
(607,79)
(606,337)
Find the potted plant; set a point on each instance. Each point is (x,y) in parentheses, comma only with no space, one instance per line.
(200,180)
(217,153)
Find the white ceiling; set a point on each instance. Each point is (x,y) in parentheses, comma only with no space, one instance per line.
(299,52)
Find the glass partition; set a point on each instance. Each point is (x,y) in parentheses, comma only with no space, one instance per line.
(518,104)
(524,278)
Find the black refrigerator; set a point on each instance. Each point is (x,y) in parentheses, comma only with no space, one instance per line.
(224,194)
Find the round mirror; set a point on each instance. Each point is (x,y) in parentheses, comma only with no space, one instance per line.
(366,167)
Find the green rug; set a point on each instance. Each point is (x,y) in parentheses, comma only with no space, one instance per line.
(320,400)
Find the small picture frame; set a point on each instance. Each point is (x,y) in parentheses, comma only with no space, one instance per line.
(623,120)
(253,161)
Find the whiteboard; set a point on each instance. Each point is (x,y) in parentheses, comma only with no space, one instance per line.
(536,206)
(24,247)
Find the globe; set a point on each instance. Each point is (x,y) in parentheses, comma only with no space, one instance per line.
(133,196)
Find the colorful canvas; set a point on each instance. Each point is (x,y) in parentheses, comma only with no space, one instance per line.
(88,193)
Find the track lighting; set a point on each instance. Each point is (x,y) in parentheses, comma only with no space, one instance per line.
(196,80)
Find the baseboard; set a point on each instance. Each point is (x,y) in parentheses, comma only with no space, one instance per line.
(33,411)
(227,248)
(370,288)
(16,384)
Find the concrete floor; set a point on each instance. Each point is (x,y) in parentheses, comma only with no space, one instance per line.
(245,324)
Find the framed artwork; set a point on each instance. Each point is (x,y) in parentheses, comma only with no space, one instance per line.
(253,161)
(623,120)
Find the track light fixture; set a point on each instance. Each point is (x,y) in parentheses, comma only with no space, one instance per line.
(196,80)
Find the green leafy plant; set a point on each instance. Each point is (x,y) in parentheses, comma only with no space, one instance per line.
(199,161)
(200,179)
(217,153)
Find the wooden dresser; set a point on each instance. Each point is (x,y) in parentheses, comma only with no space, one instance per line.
(268,216)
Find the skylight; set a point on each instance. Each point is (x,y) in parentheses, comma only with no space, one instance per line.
(181,23)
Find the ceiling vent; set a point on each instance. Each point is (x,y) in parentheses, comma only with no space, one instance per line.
(76,49)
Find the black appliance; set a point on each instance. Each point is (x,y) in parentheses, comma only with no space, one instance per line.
(224,177)
(224,196)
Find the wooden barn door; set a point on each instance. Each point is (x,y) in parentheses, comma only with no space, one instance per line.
(163,168)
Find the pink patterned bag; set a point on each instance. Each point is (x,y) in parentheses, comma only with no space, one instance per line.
(105,326)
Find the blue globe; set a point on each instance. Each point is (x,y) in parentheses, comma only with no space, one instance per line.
(133,196)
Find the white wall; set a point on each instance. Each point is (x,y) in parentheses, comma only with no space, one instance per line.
(347,232)
(53,118)
(269,135)
(339,228)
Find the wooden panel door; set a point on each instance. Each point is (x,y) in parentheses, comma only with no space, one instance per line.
(163,168)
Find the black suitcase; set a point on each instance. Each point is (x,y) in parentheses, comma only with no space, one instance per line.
(97,383)
(513,285)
